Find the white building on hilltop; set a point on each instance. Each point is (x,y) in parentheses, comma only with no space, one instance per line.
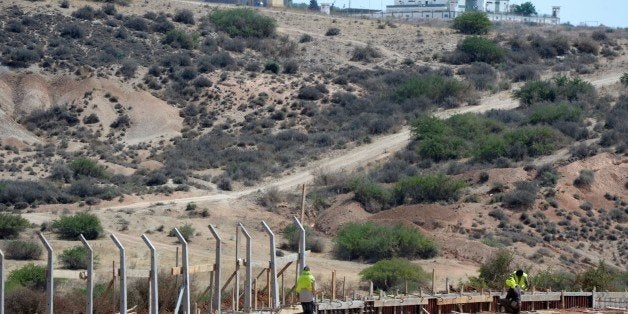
(496,10)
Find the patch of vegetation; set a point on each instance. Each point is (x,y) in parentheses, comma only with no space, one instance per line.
(436,88)
(242,22)
(184,16)
(372,242)
(522,197)
(394,273)
(11,225)
(22,250)
(75,258)
(333,31)
(28,276)
(427,188)
(496,269)
(366,54)
(187,232)
(70,227)
(472,23)
(85,167)
(584,179)
(476,49)
(312,241)
(30,193)
(179,38)
(560,88)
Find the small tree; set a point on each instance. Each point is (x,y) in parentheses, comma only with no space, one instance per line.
(314,6)
(74,258)
(28,276)
(85,167)
(391,273)
(495,271)
(472,23)
(187,231)
(11,225)
(70,227)
(525,9)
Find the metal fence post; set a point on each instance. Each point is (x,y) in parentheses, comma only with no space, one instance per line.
(273,268)
(154,276)
(217,293)
(121,273)
(236,301)
(302,246)
(186,271)
(89,306)
(248,277)
(49,277)
(1,282)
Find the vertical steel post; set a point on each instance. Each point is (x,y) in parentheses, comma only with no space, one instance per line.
(302,246)
(121,273)
(236,303)
(1,282)
(49,277)
(273,268)
(217,293)
(248,277)
(154,276)
(89,306)
(186,271)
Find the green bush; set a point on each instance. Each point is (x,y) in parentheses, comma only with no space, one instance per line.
(187,231)
(372,242)
(70,227)
(549,113)
(554,280)
(585,179)
(534,140)
(85,167)
(312,241)
(497,268)
(522,197)
(480,49)
(602,278)
(23,250)
(394,273)
(29,276)
(371,195)
(472,23)
(428,188)
(624,79)
(435,87)
(11,225)
(241,22)
(178,38)
(560,88)
(75,258)
(546,175)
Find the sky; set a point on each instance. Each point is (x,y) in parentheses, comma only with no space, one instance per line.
(613,13)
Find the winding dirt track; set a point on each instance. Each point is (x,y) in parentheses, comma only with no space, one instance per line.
(347,160)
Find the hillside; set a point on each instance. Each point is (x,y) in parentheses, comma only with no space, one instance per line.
(152,116)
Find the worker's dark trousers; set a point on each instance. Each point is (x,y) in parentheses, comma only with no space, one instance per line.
(308,307)
(512,302)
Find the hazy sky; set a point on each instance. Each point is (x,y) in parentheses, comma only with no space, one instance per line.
(612,13)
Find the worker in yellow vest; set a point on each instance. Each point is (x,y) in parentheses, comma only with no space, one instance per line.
(306,288)
(516,282)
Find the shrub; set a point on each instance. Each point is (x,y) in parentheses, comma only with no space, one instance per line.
(24,300)
(310,93)
(305,38)
(522,197)
(585,179)
(70,227)
(242,22)
(122,121)
(75,258)
(272,67)
(373,242)
(480,74)
(559,88)
(28,276)
(312,241)
(524,73)
(136,23)
(366,54)
(291,67)
(480,49)
(178,38)
(109,9)
(428,188)
(624,79)
(371,195)
(91,119)
(187,231)
(497,268)
(333,31)
(550,113)
(435,87)
(64,4)
(84,13)
(547,175)
(11,225)
(472,23)
(184,16)
(72,30)
(85,167)
(587,45)
(128,68)
(23,250)
(30,192)
(393,273)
